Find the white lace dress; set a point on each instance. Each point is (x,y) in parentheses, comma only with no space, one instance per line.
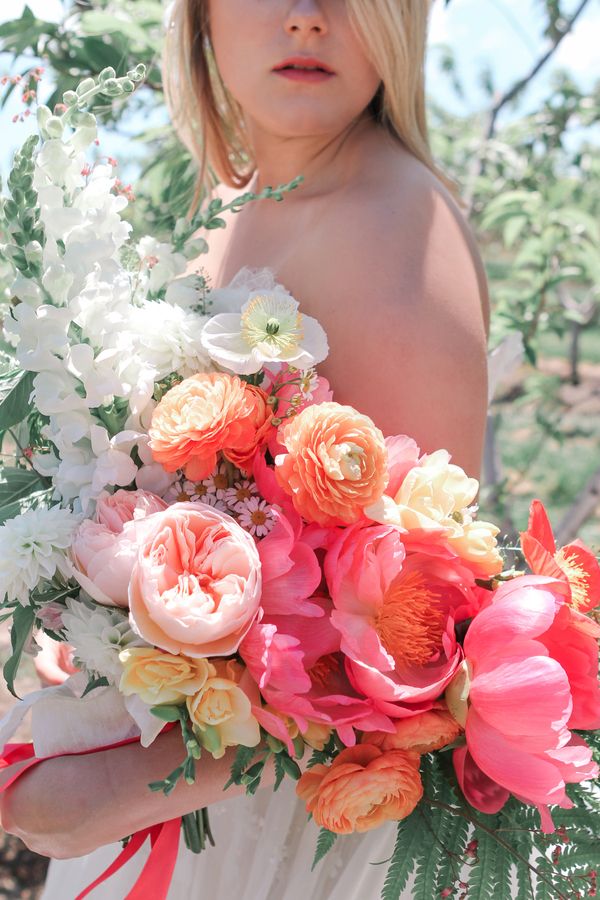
(264,844)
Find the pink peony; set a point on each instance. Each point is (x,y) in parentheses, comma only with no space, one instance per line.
(293,650)
(395,612)
(195,588)
(530,673)
(104,548)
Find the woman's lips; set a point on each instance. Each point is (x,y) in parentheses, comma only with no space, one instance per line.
(306,75)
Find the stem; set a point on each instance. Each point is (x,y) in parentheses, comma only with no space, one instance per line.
(18,445)
(454,810)
(206,822)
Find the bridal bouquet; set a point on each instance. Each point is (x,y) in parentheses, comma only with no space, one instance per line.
(229,551)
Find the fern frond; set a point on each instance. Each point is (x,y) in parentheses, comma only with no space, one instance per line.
(325,842)
(412,841)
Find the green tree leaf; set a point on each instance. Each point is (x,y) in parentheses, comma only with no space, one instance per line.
(325,842)
(15,402)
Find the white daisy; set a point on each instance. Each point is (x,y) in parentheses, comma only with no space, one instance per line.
(239,493)
(255,515)
(217,484)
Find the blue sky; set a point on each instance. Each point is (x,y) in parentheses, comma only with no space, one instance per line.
(506,34)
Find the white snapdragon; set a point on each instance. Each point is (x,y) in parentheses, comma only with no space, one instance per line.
(32,547)
(40,336)
(56,392)
(98,635)
(161,261)
(96,374)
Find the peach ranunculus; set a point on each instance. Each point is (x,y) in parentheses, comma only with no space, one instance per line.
(362,788)
(104,549)
(434,497)
(335,464)
(423,733)
(221,711)
(203,415)
(157,677)
(196,585)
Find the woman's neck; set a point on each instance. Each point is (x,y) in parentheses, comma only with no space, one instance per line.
(325,161)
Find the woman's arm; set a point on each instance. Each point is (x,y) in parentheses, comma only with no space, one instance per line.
(67,807)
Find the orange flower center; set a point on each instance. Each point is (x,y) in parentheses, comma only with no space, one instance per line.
(182,497)
(220,481)
(243,494)
(410,624)
(578,579)
(200,490)
(323,669)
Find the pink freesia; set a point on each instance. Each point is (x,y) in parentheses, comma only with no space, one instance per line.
(196,585)
(104,548)
(395,612)
(295,390)
(531,668)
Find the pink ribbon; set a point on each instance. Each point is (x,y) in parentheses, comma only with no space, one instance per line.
(155,877)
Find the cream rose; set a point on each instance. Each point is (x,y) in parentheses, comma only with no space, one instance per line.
(221,711)
(195,588)
(158,677)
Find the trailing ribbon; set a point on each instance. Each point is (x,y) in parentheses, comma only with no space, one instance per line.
(155,878)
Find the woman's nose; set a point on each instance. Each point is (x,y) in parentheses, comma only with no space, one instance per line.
(306,16)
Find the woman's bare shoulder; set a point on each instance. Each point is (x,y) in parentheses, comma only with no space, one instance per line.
(405,315)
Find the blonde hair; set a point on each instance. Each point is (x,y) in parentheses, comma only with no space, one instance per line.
(210,121)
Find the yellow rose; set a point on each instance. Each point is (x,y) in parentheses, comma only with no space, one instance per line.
(317,735)
(158,677)
(221,712)
(476,544)
(429,497)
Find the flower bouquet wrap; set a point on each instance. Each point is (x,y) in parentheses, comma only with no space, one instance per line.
(230,552)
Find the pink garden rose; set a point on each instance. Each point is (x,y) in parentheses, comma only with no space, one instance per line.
(395,612)
(104,548)
(530,674)
(195,588)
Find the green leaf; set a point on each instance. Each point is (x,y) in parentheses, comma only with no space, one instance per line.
(22,624)
(279,771)
(325,842)
(168,713)
(409,845)
(243,758)
(15,404)
(17,484)
(93,683)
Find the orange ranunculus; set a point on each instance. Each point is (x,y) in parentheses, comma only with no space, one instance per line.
(363,787)
(335,465)
(423,733)
(203,415)
(260,416)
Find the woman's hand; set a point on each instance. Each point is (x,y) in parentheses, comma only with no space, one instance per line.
(53,663)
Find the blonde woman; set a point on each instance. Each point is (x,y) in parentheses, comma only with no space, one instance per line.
(375,246)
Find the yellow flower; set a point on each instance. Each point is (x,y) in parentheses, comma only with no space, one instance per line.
(158,677)
(317,735)
(221,712)
(477,545)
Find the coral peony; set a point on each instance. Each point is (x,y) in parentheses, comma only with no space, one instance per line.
(104,549)
(335,464)
(530,675)
(423,733)
(195,588)
(396,613)
(362,788)
(203,415)
(574,564)
(429,498)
